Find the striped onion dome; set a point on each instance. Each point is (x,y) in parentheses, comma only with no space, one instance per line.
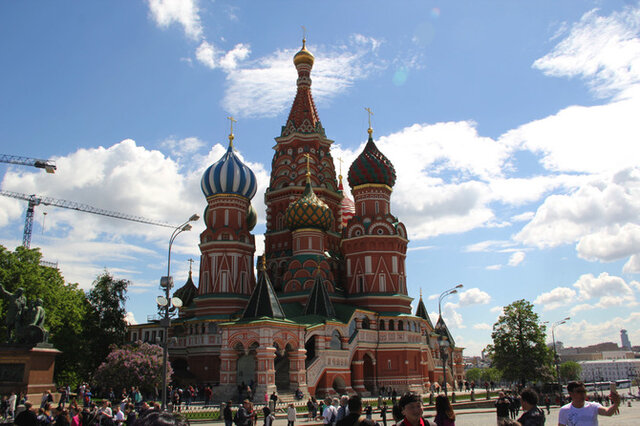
(308,212)
(371,166)
(229,176)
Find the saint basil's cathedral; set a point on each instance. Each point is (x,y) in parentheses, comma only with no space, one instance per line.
(328,311)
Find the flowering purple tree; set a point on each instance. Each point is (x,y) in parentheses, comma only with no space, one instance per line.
(138,364)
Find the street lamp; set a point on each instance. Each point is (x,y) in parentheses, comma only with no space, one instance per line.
(168,305)
(555,352)
(443,340)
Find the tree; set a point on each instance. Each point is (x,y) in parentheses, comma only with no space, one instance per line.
(106,326)
(65,306)
(570,370)
(474,375)
(138,364)
(519,350)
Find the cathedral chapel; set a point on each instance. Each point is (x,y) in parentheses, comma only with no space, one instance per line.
(328,311)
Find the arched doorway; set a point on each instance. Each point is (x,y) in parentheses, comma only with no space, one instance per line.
(368,373)
(281,365)
(310,346)
(246,365)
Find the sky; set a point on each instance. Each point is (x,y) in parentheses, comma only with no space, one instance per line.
(513,127)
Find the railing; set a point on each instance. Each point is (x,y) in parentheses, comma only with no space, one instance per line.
(196,340)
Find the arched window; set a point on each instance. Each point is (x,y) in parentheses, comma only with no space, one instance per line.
(336,342)
(391,325)
(400,326)
(365,323)
(381,326)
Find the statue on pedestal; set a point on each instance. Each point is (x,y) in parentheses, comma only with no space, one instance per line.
(25,321)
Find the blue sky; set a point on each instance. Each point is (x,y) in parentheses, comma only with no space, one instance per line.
(512,125)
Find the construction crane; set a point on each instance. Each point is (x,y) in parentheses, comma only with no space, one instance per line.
(35,200)
(48,165)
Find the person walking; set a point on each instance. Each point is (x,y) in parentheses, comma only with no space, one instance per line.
(582,412)
(533,415)
(444,412)
(354,416)
(291,415)
(227,414)
(330,413)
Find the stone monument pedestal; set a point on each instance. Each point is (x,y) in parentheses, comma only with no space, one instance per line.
(27,369)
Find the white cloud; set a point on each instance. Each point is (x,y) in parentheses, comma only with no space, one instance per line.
(183,12)
(130,318)
(483,326)
(213,58)
(611,290)
(558,297)
(474,296)
(586,332)
(580,308)
(265,89)
(523,217)
(516,258)
(599,205)
(610,243)
(182,147)
(496,267)
(633,265)
(603,50)
(635,284)
(451,316)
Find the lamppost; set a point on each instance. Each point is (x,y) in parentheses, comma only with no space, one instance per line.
(443,340)
(555,352)
(168,306)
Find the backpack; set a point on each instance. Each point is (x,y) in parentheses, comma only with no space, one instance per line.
(332,420)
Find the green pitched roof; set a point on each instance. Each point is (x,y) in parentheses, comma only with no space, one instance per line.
(319,302)
(263,301)
(422,312)
(441,328)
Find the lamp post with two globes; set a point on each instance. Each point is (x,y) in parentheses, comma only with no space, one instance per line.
(168,306)
(443,339)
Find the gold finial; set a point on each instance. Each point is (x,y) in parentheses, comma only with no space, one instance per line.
(190,265)
(263,263)
(369,130)
(308,168)
(232,120)
(420,292)
(304,36)
(340,161)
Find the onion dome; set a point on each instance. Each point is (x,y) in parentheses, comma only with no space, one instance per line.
(303,56)
(252,217)
(371,166)
(309,211)
(229,175)
(187,292)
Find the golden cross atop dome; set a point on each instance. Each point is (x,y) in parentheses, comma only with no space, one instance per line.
(190,264)
(308,169)
(232,120)
(369,130)
(304,35)
(341,161)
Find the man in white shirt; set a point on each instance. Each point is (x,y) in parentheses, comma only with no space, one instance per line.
(330,413)
(580,412)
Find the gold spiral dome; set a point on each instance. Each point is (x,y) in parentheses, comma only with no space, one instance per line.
(303,56)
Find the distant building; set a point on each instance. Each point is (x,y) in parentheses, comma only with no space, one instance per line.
(609,369)
(625,339)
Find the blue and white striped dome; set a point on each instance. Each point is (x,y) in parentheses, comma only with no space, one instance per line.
(229,176)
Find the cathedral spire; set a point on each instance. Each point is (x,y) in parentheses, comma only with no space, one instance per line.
(319,302)
(303,117)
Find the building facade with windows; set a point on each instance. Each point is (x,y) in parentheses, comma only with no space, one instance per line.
(328,311)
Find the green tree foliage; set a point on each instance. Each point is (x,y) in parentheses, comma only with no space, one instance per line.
(65,305)
(106,325)
(570,370)
(481,375)
(519,350)
(138,364)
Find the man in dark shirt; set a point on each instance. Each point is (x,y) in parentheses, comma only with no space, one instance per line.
(355,417)
(502,407)
(533,415)
(27,417)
